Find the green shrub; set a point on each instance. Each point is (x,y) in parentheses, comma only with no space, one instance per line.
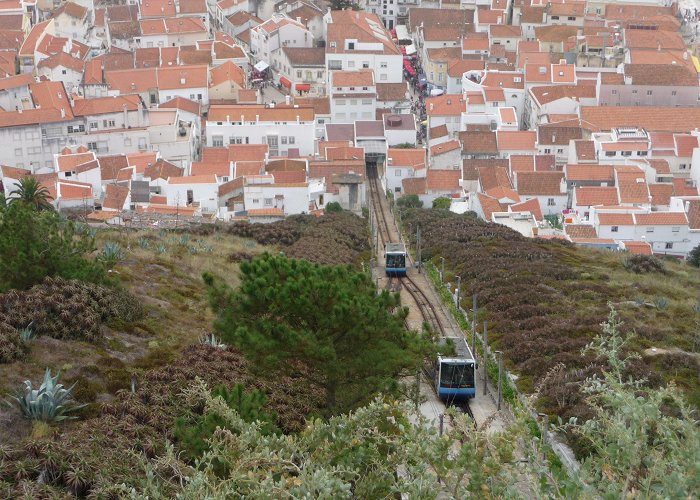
(442,203)
(333,207)
(192,437)
(410,201)
(643,264)
(12,347)
(694,257)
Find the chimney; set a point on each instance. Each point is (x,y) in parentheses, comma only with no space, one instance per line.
(287,100)
(257,118)
(63,113)
(182,81)
(297,118)
(299,20)
(431,106)
(227,118)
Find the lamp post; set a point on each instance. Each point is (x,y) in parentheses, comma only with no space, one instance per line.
(499,355)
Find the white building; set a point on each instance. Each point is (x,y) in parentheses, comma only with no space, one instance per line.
(357,40)
(287,130)
(275,33)
(353,95)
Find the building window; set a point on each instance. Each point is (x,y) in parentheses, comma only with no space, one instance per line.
(571,18)
(610,153)
(255,201)
(93,125)
(383,64)
(268,202)
(649,92)
(560,151)
(382,76)
(669,246)
(18,152)
(353,102)
(634,91)
(217,141)
(92,146)
(351,64)
(127,141)
(650,230)
(614,91)
(366,102)
(340,102)
(550,202)
(284,139)
(291,139)
(674,92)
(682,166)
(298,73)
(333,63)
(107,123)
(614,229)
(319,74)
(626,153)
(641,153)
(365,64)
(675,229)
(398,172)
(547,150)
(555,18)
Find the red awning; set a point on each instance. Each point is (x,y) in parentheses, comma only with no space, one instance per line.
(303,87)
(285,82)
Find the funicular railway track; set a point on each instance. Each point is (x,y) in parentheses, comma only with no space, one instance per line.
(425,306)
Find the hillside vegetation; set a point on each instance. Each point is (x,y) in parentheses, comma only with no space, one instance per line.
(545,301)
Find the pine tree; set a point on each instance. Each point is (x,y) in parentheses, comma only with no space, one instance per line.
(328,318)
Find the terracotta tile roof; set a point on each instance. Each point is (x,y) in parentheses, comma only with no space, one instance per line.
(539,183)
(29,44)
(493,177)
(445,105)
(227,72)
(489,205)
(415,185)
(111,165)
(392,91)
(247,152)
(682,188)
(413,157)
(123,12)
(62,59)
(305,56)
(358,78)
(444,54)
(585,150)
(446,181)
(183,104)
(661,219)
(449,33)
(663,57)
(361,26)
(638,247)
(193,179)
(249,112)
(115,197)
(327,168)
(494,95)
(580,230)
(502,192)
(632,187)
(436,16)
(285,165)
(321,105)
(220,169)
(265,212)
(72,190)
(470,167)
(590,196)
(345,153)
(444,147)
(600,173)
(661,166)
(475,42)
(154,208)
(193,7)
(16,81)
(661,75)
(437,132)
(162,169)
(516,140)
(505,31)
(71,9)
(685,144)
(661,193)
(68,162)
(522,163)
(158,8)
(651,118)
(478,142)
(103,105)
(532,205)
(613,219)
(193,55)
(555,134)
(694,214)
(652,39)
(506,80)
(124,30)
(555,33)
(244,168)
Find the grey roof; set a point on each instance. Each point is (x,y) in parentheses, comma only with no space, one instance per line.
(370,128)
(140,192)
(340,132)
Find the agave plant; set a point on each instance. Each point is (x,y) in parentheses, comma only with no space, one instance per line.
(144,243)
(161,249)
(27,334)
(212,341)
(112,252)
(51,402)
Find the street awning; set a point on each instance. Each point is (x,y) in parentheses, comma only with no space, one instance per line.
(303,87)
(261,66)
(285,82)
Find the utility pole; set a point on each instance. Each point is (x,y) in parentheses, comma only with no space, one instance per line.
(474,326)
(442,270)
(459,291)
(499,355)
(485,360)
(417,388)
(418,247)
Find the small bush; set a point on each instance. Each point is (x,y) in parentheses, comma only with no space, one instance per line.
(410,201)
(442,203)
(643,264)
(11,345)
(694,257)
(333,207)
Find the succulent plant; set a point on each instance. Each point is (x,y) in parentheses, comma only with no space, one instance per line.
(112,252)
(144,243)
(161,249)
(212,341)
(27,334)
(661,303)
(51,402)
